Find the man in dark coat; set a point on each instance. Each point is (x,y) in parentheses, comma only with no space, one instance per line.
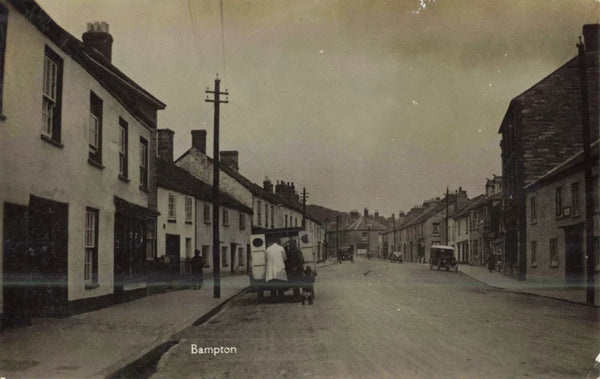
(197,265)
(294,266)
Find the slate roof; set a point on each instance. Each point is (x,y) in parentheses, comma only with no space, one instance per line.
(170,176)
(116,82)
(365,223)
(474,203)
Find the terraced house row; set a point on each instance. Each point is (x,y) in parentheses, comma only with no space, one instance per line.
(93,208)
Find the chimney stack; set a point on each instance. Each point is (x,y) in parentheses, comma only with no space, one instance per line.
(199,140)
(165,144)
(230,159)
(268,185)
(98,37)
(591,34)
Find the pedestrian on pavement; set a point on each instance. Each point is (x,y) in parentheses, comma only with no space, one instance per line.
(197,265)
(276,257)
(491,263)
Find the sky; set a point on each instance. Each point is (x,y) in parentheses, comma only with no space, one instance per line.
(374,104)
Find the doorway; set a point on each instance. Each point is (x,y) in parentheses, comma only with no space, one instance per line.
(173,252)
(574,265)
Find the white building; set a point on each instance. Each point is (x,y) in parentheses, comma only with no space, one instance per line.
(75,137)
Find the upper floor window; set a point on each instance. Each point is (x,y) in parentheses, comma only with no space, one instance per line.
(533,210)
(272,216)
(123,151)
(266,215)
(143,164)
(3,26)
(207,217)
(242,221)
(225,217)
(259,215)
(553,252)
(558,201)
(575,198)
(172,207)
(533,253)
(95,128)
(286,222)
(52,96)
(189,206)
(435,229)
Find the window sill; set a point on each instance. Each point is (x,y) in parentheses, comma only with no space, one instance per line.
(189,222)
(226,225)
(144,189)
(91,286)
(95,164)
(534,222)
(553,265)
(172,221)
(124,179)
(51,141)
(207,222)
(534,265)
(575,215)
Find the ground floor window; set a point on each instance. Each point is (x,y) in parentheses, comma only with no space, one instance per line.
(90,270)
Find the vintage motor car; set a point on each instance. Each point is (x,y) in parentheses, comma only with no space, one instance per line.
(443,257)
(345,254)
(396,256)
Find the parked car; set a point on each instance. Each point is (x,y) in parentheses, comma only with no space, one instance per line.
(443,257)
(345,254)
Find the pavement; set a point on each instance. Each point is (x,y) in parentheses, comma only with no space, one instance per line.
(102,342)
(539,288)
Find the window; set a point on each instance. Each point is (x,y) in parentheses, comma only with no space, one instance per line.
(189,206)
(90,271)
(205,255)
(553,253)
(123,151)
(266,215)
(533,253)
(3,26)
(95,128)
(143,164)
(272,216)
(475,221)
(172,208)
(296,221)
(575,198)
(224,256)
(241,256)
(242,221)
(558,201)
(207,217)
(533,210)
(225,217)
(286,222)
(435,229)
(52,96)
(259,215)
(475,249)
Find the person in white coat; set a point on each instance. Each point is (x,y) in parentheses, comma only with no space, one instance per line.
(275,257)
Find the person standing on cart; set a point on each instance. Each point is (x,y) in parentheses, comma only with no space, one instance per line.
(275,256)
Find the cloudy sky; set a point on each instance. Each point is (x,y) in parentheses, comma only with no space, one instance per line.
(366,103)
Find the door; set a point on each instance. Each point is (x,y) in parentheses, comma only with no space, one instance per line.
(232,256)
(47,232)
(16,266)
(308,251)
(574,265)
(173,252)
(259,263)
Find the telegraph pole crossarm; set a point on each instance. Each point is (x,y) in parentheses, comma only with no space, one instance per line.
(215,188)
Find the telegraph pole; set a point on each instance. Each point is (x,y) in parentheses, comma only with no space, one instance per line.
(447,192)
(589,187)
(304,197)
(337,235)
(215,190)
